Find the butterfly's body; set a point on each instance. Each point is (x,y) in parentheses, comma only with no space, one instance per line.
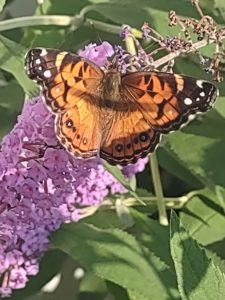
(111,86)
(119,116)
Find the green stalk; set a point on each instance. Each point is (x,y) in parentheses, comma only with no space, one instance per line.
(63,21)
(56,20)
(163,220)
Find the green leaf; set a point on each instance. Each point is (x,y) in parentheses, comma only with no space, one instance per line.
(219,10)
(124,215)
(92,283)
(12,61)
(201,146)
(154,12)
(116,172)
(103,219)
(2,3)
(56,36)
(155,237)
(57,7)
(204,218)
(11,101)
(217,260)
(175,166)
(50,265)
(220,106)
(198,278)
(117,291)
(116,256)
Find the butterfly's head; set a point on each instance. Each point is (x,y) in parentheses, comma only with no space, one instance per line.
(113,64)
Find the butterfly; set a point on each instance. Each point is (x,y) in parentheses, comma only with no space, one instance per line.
(120,117)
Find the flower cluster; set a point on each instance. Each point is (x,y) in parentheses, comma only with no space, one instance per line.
(98,54)
(41,186)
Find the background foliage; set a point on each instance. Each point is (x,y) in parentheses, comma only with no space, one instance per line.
(147,261)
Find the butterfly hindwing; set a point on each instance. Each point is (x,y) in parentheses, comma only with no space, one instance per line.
(129,139)
(78,130)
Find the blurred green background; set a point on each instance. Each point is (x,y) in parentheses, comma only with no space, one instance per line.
(191,159)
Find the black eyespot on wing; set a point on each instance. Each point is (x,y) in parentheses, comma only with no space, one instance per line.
(119,147)
(69,123)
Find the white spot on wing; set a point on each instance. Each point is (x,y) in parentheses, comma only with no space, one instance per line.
(40,68)
(202,94)
(43,52)
(199,83)
(57,90)
(38,61)
(47,74)
(187,101)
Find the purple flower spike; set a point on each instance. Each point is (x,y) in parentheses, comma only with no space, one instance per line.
(41,186)
(39,189)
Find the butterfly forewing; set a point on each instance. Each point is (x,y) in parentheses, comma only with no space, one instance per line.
(63,76)
(167,100)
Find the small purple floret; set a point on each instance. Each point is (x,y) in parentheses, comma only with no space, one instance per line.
(98,54)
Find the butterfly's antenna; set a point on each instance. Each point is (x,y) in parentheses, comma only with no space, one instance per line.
(150,46)
(33,42)
(66,38)
(96,32)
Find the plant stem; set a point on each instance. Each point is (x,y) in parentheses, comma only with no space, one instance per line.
(64,21)
(36,21)
(170,202)
(158,189)
(130,45)
(198,8)
(163,60)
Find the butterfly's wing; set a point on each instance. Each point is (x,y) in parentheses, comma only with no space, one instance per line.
(129,138)
(157,103)
(78,129)
(70,88)
(168,100)
(63,76)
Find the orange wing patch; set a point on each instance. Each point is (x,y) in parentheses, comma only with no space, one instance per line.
(78,129)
